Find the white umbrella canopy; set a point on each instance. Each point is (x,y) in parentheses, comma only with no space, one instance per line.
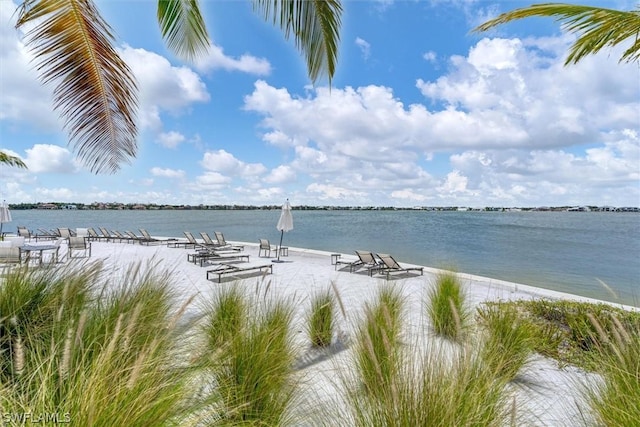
(285,223)
(5,215)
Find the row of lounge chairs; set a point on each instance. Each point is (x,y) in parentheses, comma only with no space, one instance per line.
(207,242)
(375,263)
(42,234)
(92,235)
(128,236)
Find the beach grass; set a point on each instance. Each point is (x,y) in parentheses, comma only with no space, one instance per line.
(95,351)
(321,318)
(438,383)
(226,313)
(37,306)
(597,337)
(446,306)
(615,399)
(565,331)
(458,390)
(507,341)
(436,388)
(253,377)
(378,340)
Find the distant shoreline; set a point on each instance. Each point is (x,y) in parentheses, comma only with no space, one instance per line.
(152,206)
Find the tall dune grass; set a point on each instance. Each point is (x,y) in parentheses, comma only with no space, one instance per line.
(97,351)
(507,340)
(438,389)
(321,318)
(378,341)
(398,384)
(253,381)
(446,306)
(615,400)
(226,314)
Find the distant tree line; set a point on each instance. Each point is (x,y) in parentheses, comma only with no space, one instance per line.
(153,206)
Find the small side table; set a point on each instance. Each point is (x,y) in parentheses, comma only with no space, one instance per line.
(334,258)
(284,251)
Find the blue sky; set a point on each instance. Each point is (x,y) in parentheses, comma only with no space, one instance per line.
(421,112)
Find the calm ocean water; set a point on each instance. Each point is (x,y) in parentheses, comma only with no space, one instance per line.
(563,251)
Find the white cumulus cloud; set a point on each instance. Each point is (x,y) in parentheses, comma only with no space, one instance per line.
(170,139)
(47,158)
(212,181)
(245,63)
(516,124)
(224,162)
(163,87)
(168,173)
(281,174)
(333,192)
(24,99)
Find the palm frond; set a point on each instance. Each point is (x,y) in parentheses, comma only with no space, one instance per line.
(95,90)
(183,28)
(596,27)
(11,160)
(315,24)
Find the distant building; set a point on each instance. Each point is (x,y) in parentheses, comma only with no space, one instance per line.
(47,206)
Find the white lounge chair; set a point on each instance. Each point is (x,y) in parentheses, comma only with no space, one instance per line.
(224,269)
(389,265)
(366,259)
(147,239)
(223,243)
(79,244)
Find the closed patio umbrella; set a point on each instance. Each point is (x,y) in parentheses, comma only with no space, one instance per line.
(5,216)
(285,223)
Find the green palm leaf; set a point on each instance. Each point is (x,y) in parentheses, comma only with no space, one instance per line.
(597,27)
(183,27)
(6,159)
(315,24)
(95,90)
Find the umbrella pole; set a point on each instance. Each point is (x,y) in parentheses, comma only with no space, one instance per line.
(279,248)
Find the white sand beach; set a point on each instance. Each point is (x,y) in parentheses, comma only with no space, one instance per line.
(549,393)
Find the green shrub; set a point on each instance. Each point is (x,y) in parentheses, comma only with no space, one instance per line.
(446,306)
(565,330)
